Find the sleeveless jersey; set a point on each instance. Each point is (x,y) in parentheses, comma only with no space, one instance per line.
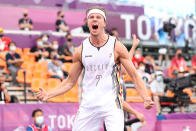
(100,82)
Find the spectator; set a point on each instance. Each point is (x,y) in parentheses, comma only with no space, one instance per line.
(157,87)
(193,70)
(61,25)
(38,124)
(147,78)
(4,41)
(82,29)
(4,96)
(85,26)
(114,32)
(178,63)
(39,51)
(45,37)
(54,48)
(13,61)
(149,64)
(25,23)
(68,48)
(56,68)
(137,58)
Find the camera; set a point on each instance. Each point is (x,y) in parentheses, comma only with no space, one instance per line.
(169,26)
(176,85)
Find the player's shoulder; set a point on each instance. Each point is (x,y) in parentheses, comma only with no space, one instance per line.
(119,46)
(77,53)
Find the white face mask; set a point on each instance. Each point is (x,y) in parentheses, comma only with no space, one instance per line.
(45,39)
(137,56)
(142,68)
(55,46)
(40,43)
(13,48)
(159,78)
(39,119)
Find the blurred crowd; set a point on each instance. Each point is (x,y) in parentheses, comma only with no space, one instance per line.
(151,71)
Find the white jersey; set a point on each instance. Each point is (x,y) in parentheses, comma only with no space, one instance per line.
(100,83)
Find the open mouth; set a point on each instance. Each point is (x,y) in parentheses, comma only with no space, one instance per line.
(95,27)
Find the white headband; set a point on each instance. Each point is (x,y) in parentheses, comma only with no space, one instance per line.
(96,11)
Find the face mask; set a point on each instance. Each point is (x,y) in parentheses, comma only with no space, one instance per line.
(1,35)
(115,33)
(148,62)
(137,56)
(69,39)
(40,43)
(179,55)
(55,57)
(159,78)
(142,68)
(45,39)
(25,15)
(39,119)
(13,48)
(55,46)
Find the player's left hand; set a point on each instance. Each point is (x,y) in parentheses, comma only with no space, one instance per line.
(148,103)
(140,116)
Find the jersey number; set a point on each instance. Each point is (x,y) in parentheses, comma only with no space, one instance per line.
(98,77)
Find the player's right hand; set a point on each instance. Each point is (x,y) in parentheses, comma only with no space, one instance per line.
(42,95)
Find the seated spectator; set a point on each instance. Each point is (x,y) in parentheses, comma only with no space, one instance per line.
(4,96)
(61,25)
(45,37)
(137,58)
(82,29)
(149,64)
(53,48)
(38,124)
(25,23)
(178,64)
(39,51)
(56,68)
(4,41)
(114,32)
(13,61)
(193,70)
(85,28)
(157,87)
(147,78)
(68,48)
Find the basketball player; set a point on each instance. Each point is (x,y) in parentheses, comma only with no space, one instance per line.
(99,56)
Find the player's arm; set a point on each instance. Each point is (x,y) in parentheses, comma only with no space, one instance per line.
(123,57)
(130,110)
(64,27)
(68,83)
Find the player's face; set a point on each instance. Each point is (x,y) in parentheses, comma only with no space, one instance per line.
(96,24)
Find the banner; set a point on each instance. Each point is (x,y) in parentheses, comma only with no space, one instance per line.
(58,116)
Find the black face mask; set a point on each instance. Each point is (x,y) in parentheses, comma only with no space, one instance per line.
(179,55)
(69,39)
(25,15)
(1,35)
(62,16)
(55,57)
